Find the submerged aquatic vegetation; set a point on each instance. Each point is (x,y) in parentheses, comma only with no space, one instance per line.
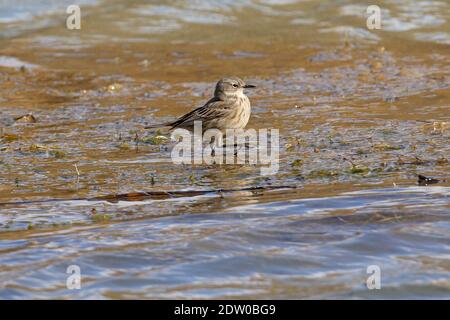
(50,150)
(297,163)
(359,170)
(99,217)
(384,147)
(192,179)
(322,173)
(154,139)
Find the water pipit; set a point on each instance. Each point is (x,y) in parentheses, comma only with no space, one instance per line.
(228,109)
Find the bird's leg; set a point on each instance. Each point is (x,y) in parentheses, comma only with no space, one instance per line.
(212,144)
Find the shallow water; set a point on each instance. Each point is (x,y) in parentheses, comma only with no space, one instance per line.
(360,114)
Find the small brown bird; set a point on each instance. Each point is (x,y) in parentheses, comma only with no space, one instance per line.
(228,109)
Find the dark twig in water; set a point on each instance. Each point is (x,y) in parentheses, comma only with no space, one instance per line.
(424,181)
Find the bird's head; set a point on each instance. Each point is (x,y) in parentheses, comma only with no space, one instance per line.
(230,87)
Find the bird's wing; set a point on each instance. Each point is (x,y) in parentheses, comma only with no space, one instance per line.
(213,109)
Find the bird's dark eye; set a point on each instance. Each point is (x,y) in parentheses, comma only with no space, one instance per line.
(235,85)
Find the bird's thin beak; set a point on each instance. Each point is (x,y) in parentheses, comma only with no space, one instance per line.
(247,86)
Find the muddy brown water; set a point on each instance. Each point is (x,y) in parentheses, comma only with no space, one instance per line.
(361,113)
